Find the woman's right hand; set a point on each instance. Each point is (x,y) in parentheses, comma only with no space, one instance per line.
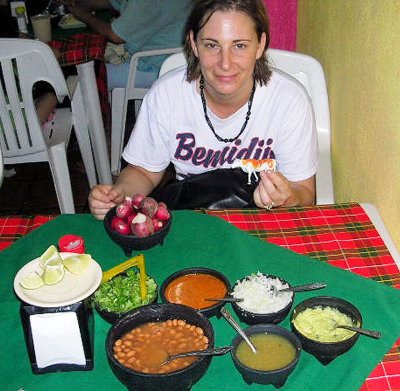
(104,197)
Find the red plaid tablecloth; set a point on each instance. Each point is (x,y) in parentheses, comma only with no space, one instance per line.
(80,48)
(341,235)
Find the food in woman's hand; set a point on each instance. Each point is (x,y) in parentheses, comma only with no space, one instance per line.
(140,216)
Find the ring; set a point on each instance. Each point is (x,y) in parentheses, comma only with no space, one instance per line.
(270,206)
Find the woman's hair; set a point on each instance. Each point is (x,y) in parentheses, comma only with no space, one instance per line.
(201,13)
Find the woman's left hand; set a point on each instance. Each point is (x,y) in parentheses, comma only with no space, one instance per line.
(273,190)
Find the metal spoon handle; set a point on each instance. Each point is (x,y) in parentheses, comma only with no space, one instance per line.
(304,287)
(232,322)
(205,352)
(369,333)
(226,299)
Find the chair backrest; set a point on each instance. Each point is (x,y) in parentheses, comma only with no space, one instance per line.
(23,63)
(1,167)
(309,73)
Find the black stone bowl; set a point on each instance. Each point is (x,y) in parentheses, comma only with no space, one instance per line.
(129,243)
(213,309)
(275,377)
(112,317)
(249,317)
(180,380)
(325,352)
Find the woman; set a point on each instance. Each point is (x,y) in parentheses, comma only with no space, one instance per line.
(226,105)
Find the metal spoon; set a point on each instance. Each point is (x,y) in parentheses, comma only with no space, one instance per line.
(46,10)
(299,288)
(204,352)
(368,333)
(226,299)
(235,325)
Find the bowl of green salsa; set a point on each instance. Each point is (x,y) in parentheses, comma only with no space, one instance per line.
(277,354)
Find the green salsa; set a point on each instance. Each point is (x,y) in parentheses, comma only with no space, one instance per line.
(272,352)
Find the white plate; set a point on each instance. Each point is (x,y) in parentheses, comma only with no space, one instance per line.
(68,21)
(72,288)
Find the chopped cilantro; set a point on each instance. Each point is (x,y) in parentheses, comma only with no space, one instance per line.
(122,293)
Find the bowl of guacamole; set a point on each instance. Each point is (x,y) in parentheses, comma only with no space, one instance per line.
(313,321)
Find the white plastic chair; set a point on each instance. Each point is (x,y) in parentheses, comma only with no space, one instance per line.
(22,139)
(308,71)
(120,98)
(1,167)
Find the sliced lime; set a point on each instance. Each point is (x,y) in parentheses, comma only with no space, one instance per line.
(53,274)
(32,281)
(50,257)
(77,263)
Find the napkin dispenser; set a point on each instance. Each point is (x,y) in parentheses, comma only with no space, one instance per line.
(59,339)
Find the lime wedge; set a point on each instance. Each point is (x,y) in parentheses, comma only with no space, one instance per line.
(77,263)
(53,274)
(50,257)
(32,281)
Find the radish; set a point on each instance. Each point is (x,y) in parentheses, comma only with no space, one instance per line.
(124,209)
(148,206)
(115,221)
(162,213)
(131,217)
(157,224)
(142,225)
(137,199)
(120,225)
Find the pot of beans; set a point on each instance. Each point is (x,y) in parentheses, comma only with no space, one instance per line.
(138,344)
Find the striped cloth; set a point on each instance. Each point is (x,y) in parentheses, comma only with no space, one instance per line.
(340,234)
(80,48)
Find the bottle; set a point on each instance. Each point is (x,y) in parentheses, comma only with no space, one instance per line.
(20,12)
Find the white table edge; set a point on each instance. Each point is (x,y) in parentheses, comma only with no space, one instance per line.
(376,219)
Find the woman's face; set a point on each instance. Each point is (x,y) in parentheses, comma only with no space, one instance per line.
(227,48)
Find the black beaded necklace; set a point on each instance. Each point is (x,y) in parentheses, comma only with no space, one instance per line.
(249,104)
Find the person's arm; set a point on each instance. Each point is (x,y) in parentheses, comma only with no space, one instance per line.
(276,191)
(132,180)
(96,24)
(91,5)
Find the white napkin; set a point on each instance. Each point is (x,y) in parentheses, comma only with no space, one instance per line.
(57,339)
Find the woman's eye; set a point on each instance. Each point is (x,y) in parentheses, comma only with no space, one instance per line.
(241,46)
(211,45)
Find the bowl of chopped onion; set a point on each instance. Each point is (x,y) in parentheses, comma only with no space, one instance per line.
(120,295)
(261,302)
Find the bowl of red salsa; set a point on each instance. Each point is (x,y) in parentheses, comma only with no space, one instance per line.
(192,286)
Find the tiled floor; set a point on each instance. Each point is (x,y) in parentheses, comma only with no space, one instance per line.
(31,191)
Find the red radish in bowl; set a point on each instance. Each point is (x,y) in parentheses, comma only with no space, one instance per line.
(142,225)
(162,213)
(136,200)
(148,206)
(124,209)
(121,226)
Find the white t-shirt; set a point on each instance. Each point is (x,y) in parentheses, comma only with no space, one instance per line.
(171,128)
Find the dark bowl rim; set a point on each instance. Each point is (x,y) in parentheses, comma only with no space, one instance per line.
(257,314)
(196,270)
(111,213)
(156,375)
(268,327)
(311,299)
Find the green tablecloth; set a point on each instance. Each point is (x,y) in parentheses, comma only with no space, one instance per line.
(200,240)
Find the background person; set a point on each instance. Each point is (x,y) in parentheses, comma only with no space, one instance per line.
(226,104)
(141,25)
